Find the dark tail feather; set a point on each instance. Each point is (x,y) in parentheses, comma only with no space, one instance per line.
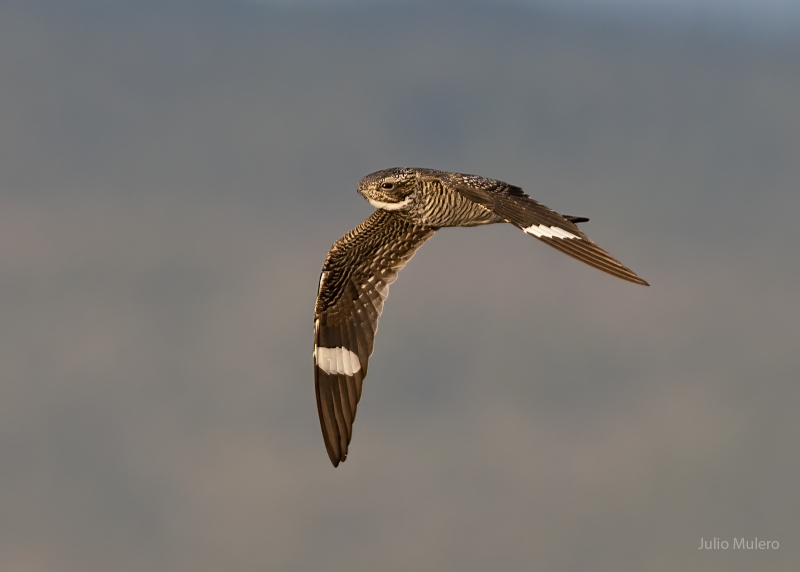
(575,219)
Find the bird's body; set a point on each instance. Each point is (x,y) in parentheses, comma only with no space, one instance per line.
(411,205)
(435,204)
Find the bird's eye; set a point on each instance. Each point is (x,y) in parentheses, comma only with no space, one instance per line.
(387,186)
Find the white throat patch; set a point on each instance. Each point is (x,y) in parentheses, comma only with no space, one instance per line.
(390,206)
(337,361)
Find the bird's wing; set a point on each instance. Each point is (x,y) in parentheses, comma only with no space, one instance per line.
(353,285)
(514,206)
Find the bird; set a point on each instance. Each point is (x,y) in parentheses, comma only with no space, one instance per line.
(410,206)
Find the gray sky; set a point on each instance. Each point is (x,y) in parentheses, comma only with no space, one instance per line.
(171,180)
(707,9)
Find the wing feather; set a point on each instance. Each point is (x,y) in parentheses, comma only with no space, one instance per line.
(354,284)
(514,206)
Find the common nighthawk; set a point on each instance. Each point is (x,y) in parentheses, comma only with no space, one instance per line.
(411,204)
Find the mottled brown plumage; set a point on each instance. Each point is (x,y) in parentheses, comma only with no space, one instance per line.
(411,205)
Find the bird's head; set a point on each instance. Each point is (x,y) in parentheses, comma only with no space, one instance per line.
(390,189)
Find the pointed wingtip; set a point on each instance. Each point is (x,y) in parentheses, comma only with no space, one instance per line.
(335,461)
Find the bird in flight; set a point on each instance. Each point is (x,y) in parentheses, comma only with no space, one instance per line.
(411,205)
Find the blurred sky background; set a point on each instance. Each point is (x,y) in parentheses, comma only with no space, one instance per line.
(173,173)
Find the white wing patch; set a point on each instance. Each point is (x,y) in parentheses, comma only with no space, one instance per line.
(541,230)
(322,278)
(337,361)
(390,206)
